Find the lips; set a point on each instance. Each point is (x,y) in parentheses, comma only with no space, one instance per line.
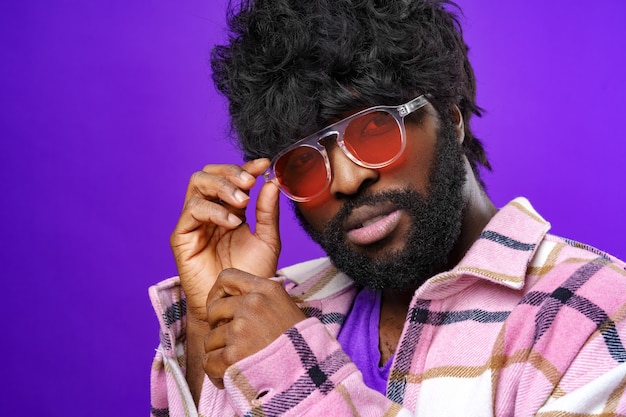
(370,224)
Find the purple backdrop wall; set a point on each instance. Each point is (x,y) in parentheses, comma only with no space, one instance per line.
(107,108)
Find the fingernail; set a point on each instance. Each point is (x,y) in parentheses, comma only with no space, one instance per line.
(246,176)
(234,220)
(240,196)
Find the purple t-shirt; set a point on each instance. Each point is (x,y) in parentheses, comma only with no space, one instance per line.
(359,339)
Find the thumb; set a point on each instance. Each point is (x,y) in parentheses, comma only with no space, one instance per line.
(267,215)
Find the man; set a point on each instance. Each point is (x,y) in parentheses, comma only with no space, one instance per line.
(432,302)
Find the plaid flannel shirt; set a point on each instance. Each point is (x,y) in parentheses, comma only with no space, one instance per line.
(526,324)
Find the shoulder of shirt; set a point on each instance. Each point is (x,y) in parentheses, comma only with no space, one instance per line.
(515,250)
(558,258)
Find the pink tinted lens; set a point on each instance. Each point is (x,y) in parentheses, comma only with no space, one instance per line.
(374,138)
(301,172)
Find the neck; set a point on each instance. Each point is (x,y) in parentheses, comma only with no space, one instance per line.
(477,213)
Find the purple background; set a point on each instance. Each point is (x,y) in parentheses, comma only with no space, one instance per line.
(107,108)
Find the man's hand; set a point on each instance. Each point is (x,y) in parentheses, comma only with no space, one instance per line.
(211,234)
(246,313)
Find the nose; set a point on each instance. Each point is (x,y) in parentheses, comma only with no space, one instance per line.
(347,177)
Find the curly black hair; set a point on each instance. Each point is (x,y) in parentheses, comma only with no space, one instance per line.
(290,67)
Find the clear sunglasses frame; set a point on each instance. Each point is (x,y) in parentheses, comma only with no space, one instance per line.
(337,130)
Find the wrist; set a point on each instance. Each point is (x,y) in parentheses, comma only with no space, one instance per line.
(197,325)
(196,331)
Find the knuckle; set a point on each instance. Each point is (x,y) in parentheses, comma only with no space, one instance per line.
(223,169)
(218,182)
(197,177)
(230,355)
(232,169)
(224,184)
(197,206)
(193,202)
(237,327)
(255,301)
(226,273)
(174,238)
(225,189)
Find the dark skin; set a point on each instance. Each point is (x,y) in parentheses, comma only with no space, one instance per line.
(234,309)
(411,171)
(246,313)
(210,238)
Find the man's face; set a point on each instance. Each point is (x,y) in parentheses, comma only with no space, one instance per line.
(393,228)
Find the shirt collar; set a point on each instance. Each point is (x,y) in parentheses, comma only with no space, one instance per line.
(501,254)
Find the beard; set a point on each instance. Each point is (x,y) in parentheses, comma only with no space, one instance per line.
(435,226)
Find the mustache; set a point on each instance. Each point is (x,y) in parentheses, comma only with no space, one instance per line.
(401,198)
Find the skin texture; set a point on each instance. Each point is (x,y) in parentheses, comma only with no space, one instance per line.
(210,238)
(246,313)
(234,310)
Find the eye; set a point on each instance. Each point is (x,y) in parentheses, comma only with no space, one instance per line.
(301,160)
(376,124)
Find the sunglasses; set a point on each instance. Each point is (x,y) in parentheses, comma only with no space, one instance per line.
(372,138)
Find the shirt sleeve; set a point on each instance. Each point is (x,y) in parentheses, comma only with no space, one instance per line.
(564,345)
(304,373)
(595,382)
(169,392)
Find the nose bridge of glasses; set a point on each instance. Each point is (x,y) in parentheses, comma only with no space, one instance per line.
(328,139)
(333,146)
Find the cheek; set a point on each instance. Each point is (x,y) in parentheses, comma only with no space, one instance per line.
(414,166)
(320,211)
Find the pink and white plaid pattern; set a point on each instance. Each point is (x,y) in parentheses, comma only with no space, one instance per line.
(526,324)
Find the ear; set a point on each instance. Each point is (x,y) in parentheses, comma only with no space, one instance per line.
(459,124)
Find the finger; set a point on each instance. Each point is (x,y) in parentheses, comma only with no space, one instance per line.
(214,367)
(244,177)
(256,167)
(218,187)
(216,339)
(217,382)
(233,282)
(226,183)
(199,212)
(267,216)
(222,310)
